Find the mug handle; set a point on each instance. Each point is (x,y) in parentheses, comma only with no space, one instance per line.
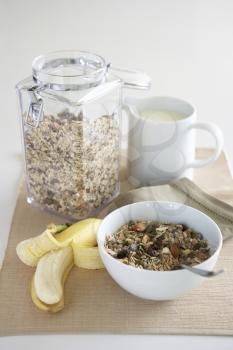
(216,132)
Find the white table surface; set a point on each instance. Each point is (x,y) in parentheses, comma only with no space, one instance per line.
(8,189)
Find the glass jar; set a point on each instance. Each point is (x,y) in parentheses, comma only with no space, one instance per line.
(71,121)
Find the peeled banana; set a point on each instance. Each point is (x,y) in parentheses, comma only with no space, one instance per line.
(31,250)
(55,237)
(54,252)
(43,306)
(48,282)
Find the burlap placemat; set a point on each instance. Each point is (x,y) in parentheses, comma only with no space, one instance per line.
(95,304)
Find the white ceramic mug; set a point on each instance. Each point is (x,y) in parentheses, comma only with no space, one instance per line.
(162,151)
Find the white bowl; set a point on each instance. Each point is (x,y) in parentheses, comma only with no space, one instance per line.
(158,285)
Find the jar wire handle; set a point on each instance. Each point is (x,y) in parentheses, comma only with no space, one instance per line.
(132,78)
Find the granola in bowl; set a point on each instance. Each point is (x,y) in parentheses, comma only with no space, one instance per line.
(157,246)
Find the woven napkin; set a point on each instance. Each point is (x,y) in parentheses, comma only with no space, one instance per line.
(94,303)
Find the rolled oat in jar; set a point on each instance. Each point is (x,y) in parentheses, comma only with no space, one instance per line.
(71,121)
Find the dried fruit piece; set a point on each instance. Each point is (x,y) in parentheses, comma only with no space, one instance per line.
(197,246)
(151,228)
(139,227)
(175,250)
(121,254)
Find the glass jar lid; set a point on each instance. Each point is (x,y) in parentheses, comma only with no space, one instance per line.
(78,70)
(69,70)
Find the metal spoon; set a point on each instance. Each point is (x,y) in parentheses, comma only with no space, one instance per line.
(204,273)
(201,272)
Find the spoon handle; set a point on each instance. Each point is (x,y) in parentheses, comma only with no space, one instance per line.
(201,272)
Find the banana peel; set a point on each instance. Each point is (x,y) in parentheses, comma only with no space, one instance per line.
(86,253)
(87,257)
(84,232)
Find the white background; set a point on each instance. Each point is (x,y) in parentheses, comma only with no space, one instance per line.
(186,46)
